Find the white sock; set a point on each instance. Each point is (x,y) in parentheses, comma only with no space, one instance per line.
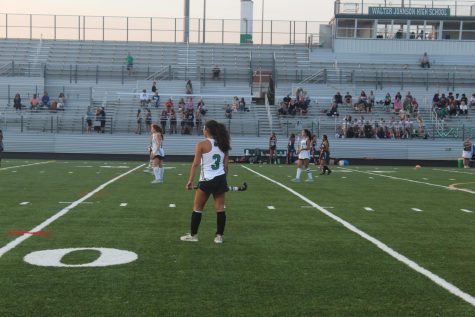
(309,173)
(156,172)
(162,172)
(299,172)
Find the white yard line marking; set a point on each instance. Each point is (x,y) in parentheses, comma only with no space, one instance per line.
(414,181)
(314,207)
(450,171)
(70,202)
(417,209)
(172,206)
(466,210)
(271,207)
(85,166)
(123,205)
(398,256)
(13,171)
(24,203)
(12,167)
(14,243)
(368,209)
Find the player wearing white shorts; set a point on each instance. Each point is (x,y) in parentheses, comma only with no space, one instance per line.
(303,153)
(212,155)
(157,154)
(467,152)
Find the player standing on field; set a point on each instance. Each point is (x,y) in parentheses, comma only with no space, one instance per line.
(303,153)
(272,148)
(325,156)
(157,154)
(212,154)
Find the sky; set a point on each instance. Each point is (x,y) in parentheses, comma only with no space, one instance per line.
(300,10)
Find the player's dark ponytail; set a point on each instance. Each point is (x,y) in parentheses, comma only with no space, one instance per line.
(219,132)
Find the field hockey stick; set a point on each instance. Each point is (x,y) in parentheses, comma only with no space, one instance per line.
(241,188)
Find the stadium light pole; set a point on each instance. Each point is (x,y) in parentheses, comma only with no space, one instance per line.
(204,21)
(262,27)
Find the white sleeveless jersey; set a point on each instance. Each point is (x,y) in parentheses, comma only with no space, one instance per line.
(304,153)
(157,149)
(212,163)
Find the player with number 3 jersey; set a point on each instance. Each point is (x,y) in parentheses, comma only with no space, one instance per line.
(212,154)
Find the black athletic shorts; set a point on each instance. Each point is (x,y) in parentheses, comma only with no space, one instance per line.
(159,157)
(217,185)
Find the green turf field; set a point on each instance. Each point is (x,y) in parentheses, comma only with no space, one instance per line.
(282,256)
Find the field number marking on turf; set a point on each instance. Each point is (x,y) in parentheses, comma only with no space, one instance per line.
(414,181)
(398,256)
(416,209)
(466,210)
(14,243)
(13,167)
(368,209)
(107,257)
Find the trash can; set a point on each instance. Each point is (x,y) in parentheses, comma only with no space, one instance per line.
(460,163)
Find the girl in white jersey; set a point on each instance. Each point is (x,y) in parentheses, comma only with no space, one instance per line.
(212,155)
(303,153)
(157,154)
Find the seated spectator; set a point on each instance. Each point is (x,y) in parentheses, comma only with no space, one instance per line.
(169,105)
(282,109)
(190,105)
(17,102)
(424,61)
(287,100)
(472,101)
(163,120)
(61,101)
(45,101)
(154,87)
(387,102)
(173,121)
(201,107)
(463,108)
(362,102)
(435,101)
(54,106)
(348,99)
(34,102)
(338,98)
(216,71)
(370,102)
(189,87)
(414,105)
(242,105)
(144,98)
(181,105)
(333,110)
(235,104)
(292,109)
(156,99)
(228,111)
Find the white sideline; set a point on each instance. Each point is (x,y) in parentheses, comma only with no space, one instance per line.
(413,265)
(12,167)
(450,171)
(412,181)
(14,243)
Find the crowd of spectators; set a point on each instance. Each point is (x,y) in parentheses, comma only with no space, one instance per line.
(299,105)
(450,105)
(37,104)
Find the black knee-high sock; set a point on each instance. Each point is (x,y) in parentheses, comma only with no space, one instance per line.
(195,222)
(220,222)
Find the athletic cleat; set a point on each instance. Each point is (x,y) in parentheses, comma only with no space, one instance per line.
(218,239)
(295,180)
(157,181)
(188,237)
(309,180)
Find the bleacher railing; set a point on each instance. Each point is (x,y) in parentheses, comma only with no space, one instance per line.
(151,29)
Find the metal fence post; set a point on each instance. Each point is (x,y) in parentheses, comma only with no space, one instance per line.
(54,27)
(31,27)
(222,31)
(127,29)
(70,73)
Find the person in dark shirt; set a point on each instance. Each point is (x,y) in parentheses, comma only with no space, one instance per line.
(338,98)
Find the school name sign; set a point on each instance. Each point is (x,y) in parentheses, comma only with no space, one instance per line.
(416,12)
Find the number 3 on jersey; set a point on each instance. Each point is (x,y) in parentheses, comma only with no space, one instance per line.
(217,160)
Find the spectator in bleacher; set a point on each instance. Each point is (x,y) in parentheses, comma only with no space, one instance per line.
(154,87)
(190,106)
(148,119)
(370,102)
(169,105)
(287,100)
(61,101)
(138,117)
(228,111)
(201,107)
(129,62)
(338,98)
(89,119)
(451,107)
(173,121)
(156,99)
(464,98)
(198,122)
(17,102)
(361,103)
(414,105)
(45,101)
(216,71)
(235,104)
(144,98)
(163,120)
(333,110)
(472,101)
(292,109)
(348,99)
(397,102)
(181,105)
(189,87)
(34,102)
(189,121)
(282,109)
(463,108)
(102,118)
(387,102)
(242,105)
(435,101)
(424,61)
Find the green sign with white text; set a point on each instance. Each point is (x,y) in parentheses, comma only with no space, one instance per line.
(435,12)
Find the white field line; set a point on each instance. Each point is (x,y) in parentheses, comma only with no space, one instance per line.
(414,181)
(271,207)
(12,167)
(417,209)
(450,171)
(14,243)
(368,209)
(398,256)
(466,210)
